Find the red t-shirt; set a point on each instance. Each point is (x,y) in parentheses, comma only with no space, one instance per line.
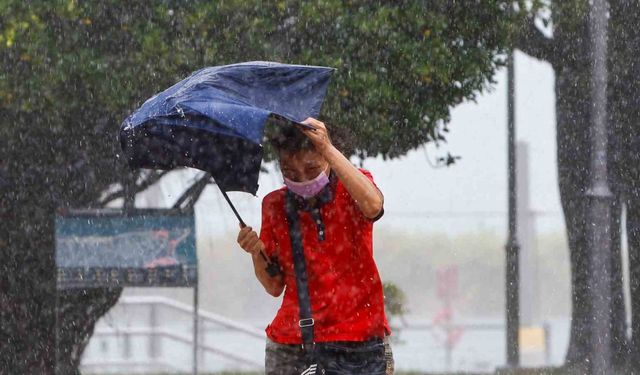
(347,302)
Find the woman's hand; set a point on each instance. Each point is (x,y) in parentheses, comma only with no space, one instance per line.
(366,195)
(319,135)
(249,241)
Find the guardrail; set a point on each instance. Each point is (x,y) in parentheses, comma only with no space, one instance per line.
(154,334)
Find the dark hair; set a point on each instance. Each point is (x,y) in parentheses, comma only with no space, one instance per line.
(286,137)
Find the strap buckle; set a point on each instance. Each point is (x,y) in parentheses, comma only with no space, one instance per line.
(309,322)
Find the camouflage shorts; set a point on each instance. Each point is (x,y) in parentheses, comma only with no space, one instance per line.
(356,358)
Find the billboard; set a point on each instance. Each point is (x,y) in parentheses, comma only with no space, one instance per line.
(112,248)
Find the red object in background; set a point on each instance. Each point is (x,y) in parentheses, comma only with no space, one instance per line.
(454,336)
(443,316)
(447,289)
(447,278)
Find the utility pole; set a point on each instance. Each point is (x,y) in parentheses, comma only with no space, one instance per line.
(599,198)
(512,248)
(527,241)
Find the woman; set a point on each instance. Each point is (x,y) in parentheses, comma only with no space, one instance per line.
(336,205)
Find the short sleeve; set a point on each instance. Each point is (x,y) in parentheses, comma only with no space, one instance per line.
(355,206)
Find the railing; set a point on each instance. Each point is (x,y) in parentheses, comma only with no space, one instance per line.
(153,335)
(535,341)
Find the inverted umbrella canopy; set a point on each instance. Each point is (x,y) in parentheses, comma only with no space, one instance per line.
(214,120)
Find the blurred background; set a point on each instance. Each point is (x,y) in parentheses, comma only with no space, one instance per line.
(441,243)
(419,98)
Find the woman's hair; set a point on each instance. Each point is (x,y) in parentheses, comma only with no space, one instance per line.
(284,136)
(287,138)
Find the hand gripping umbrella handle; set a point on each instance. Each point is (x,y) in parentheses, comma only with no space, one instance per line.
(272,267)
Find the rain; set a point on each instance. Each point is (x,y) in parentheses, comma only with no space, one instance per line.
(319,187)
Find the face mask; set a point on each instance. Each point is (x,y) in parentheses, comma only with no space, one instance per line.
(310,188)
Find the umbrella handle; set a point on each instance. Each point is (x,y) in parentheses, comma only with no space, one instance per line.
(242,223)
(226,197)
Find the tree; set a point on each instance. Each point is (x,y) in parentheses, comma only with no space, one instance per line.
(568,51)
(71,71)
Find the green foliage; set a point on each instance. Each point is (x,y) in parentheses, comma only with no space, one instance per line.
(401,65)
(394,299)
(72,70)
(570,15)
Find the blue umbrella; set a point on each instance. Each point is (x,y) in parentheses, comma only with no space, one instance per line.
(214,120)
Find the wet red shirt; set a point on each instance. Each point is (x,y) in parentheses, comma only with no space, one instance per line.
(344,285)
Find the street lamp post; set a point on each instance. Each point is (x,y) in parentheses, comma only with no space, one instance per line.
(512,248)
(599,198)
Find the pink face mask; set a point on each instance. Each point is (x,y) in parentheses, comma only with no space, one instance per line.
(310,188)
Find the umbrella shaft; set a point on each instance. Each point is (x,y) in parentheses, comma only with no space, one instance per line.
(226,197)
(242,223)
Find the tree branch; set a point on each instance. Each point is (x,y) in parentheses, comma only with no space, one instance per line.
(534,43)
(152,179)
(191,195)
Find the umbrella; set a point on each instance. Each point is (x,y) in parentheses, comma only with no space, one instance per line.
(214,119)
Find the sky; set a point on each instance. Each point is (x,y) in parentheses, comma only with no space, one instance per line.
(468,196)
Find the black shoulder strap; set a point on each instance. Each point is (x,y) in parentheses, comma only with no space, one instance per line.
(306,321)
